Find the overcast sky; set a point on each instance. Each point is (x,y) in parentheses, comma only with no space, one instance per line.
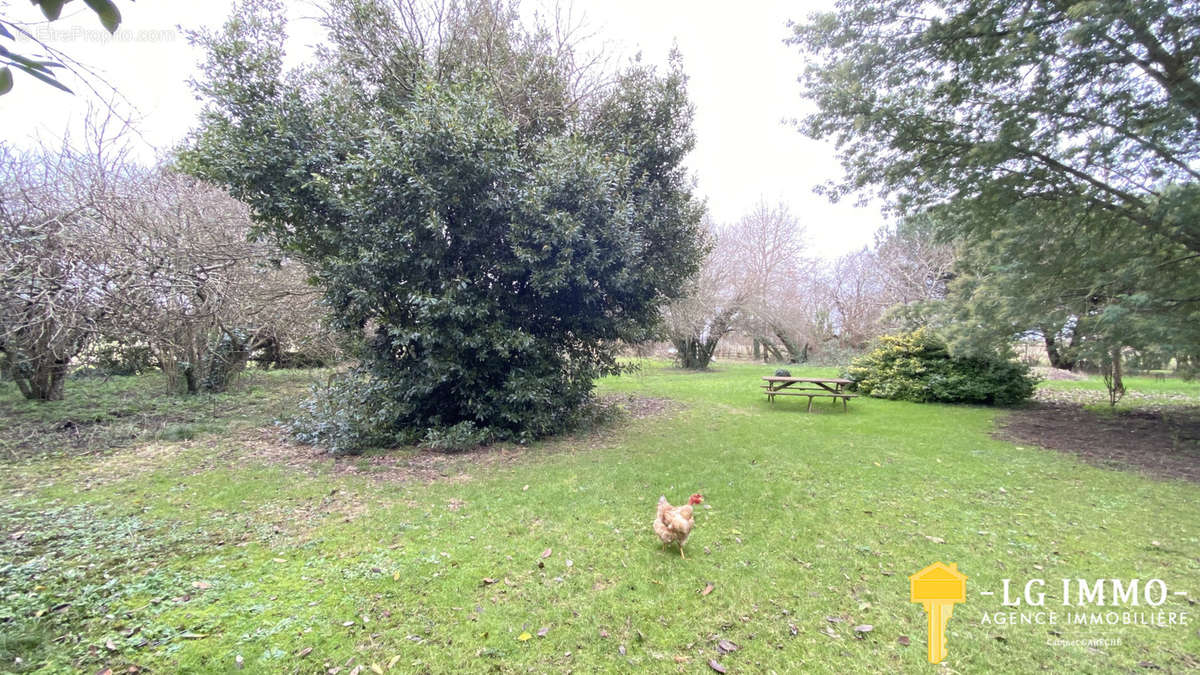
(742,81)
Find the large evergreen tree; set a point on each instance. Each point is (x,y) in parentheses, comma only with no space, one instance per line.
(484,214)
(1059,142)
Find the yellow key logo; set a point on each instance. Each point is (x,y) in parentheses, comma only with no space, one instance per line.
(938,587)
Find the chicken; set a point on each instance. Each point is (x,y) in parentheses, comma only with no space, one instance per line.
(673,524)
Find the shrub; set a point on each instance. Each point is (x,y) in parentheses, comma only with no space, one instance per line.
(347,415)
(118,357)
(919,367)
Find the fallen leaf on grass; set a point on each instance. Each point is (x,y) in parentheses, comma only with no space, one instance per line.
(278,560)
(707,589)
(488,581)
(347,624)
(304,652)
(239,661)
(936,540)
(621,649)
(603,633)
(395,576)
(202,585)
(903,640)
(682,659)
(392,662)
(376,669)
(547,552)
(793,629)
(712,663)
(725,646)
(544,631)
(524,636)
(861,630)
(830,632)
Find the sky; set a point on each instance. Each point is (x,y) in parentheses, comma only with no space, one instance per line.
(742,80)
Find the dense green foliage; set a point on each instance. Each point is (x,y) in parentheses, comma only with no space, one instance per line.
(484,252)
(919,367)
(1057,142)
(1104,287)
(994,103)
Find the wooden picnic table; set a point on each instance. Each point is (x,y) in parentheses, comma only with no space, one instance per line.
(833,387)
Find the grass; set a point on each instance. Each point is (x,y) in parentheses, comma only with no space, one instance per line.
(1142,392)
(1138,384)
(99,414)
(190,547)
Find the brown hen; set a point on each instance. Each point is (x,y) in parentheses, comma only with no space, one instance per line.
(673,524)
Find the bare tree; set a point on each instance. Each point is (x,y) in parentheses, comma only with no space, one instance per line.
(770,251)
(716,299)
(50,286)
(913,266)
(858,298)
(194,286)
(93,244)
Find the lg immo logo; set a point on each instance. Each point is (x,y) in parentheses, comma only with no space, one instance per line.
(1082,602)
(1089,602)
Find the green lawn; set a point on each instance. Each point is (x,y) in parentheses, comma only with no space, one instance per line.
(180,552)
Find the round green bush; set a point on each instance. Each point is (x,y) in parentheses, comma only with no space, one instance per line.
(919,367)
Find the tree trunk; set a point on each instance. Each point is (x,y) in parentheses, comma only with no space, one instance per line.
(771,352)
(1058,359)
(42,381)
(796,353)
(1113,375)
(191,377)
(693,353)
(226,361)
(272,355)
(47,384)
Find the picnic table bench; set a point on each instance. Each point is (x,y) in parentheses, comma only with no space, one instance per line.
(812,387)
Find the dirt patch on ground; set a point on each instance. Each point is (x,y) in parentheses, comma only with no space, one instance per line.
(416,465)
(1163,443)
